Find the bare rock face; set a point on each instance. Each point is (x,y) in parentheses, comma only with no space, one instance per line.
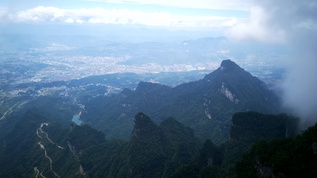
(225,91)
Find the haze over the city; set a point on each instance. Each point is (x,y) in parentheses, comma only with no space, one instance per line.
(46,26)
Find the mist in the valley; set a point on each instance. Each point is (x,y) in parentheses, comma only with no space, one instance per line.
(293,23)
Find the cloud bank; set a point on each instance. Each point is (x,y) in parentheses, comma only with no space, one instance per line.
(199,4)
(126,17)
(293,23)
(257,28)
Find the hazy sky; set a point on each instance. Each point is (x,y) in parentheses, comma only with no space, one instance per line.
(190,15)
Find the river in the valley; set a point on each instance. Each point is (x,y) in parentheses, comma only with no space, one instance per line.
(76,119)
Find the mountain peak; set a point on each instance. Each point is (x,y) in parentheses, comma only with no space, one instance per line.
(226,67)
(226,64)
(143,126)
(141,118)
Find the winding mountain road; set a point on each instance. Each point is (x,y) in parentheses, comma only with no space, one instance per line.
(43,135)
(10,110)
(37,171)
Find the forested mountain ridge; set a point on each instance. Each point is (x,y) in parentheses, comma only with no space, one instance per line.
(281,157)
(247,128)
(205,105)
(190,130)
(39,146)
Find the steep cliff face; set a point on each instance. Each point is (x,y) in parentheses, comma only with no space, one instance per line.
(281,157)
(247,128)
(154,151)
(253,126)
(146,154)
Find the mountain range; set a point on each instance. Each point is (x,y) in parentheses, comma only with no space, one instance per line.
(206,128)
(206,105)
(38,146)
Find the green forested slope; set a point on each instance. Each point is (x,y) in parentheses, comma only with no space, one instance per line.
(166,150)
(206,105)
(281,157)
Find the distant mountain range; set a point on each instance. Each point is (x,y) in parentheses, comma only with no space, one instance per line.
(206,105)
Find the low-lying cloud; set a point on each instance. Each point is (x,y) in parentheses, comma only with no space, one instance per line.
(257,28)
(293,23)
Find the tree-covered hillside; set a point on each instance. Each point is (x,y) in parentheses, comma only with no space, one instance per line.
(38,146)
(206,105)
(196,129)
(247,128)
(281,157)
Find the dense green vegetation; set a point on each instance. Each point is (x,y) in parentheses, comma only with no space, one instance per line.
(247,128)
(58,110)
(166,150)
(281,157)
(152,151)
(207,135)
(206,105)
(22,153)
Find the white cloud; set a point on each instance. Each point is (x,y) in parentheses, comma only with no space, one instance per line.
(274,21)
(101,16)
(294,23)
(69,20)
(199,4)
(3,13)
(256,28)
